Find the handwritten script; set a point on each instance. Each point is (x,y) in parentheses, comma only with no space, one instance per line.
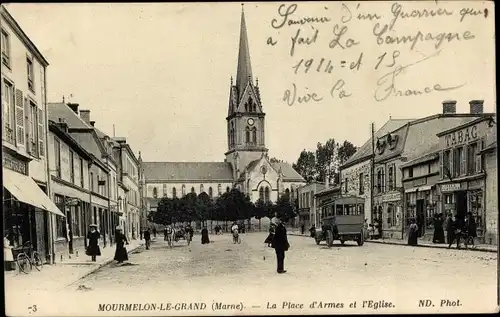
(334,44)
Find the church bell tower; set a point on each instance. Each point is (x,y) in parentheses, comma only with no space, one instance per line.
(245,118)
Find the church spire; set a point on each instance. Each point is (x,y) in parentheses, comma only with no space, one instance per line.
(244,72)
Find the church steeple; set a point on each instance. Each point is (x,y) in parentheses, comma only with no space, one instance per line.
(244,71)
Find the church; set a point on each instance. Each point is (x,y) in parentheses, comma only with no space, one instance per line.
(246,166)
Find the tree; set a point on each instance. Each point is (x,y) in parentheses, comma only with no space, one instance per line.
(233,206)
(263,209)
(306,165)
(284,208)
(168,211)
(327,161)
(346,150)
(204,207)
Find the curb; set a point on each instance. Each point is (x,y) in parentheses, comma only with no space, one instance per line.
(99,266)
(479,249)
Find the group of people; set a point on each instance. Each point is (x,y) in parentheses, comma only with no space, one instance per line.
(93,250)
(456,229)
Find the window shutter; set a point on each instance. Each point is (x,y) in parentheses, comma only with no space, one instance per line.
(463,161)
(441,164)
(20,119)
(41,143)
(478,156)
(452,162)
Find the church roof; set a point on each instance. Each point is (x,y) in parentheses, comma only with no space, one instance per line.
(289,174)
(244,72)
(183,171)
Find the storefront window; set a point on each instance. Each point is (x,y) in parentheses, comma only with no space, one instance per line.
(476,208)
(471,158)
(391,215)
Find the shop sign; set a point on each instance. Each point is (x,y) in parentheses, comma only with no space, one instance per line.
(15,164)
(475,184)
(450,187)
(461,136)
(392,197)
(419,182)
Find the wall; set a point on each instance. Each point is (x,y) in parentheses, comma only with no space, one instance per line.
(491,197)
(352,175)
(188,185)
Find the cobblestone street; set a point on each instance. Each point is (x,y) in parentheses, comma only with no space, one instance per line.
(246,272)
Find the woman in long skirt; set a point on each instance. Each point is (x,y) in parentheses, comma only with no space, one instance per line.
(413,233)
(93,249)
(204,236)
(120,253)
(438,229)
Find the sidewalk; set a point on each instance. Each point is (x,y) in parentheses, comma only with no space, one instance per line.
(57,276)
(423,244)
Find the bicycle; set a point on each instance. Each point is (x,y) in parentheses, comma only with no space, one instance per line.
(27,258)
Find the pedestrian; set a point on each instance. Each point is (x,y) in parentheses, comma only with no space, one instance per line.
(438,229)
(270,237)
(302,228)
(459,229)
(147,238)
(280,245)
(141,231)
(365,229)
(413,233)
(154,232)
(121,240)
(93,249)
(204,236)
(165,233)
(379,228)
(312,231)
(216,229)
(450,230)
(471,226)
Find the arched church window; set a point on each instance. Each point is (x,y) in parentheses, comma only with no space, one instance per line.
(210,192)
(174,192)
(228,189)
(183,190)
(164,189)
(287,192)
(250,104)
(202,189)
(219,189)
(155,192)
(266,194)
(261,194)
(192,190)
(254,135)
(247,135)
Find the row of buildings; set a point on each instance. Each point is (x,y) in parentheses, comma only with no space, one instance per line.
(417,168)
(60,173)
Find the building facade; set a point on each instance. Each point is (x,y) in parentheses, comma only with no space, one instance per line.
(421,195)
(247,166)
(99,174)
(69,172)
(307,207)
(463,175)
(24,147)
(490,157)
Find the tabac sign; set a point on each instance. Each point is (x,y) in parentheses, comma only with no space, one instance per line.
(462,136)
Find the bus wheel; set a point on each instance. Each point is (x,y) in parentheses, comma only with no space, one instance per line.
(361,239)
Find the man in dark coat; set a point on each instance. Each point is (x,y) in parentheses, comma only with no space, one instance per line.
(154,232)
(147,238)
(450,230)
(280,245)
(121,253)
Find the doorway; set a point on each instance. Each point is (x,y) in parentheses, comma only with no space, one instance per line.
(420,217)
(461,204)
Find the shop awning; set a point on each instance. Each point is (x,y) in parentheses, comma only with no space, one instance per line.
(27,191)
(419,189)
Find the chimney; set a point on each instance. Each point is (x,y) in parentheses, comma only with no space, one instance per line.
(85,115)
(92,123)
(449,106)
(62,125)
(74,107)
(476,106)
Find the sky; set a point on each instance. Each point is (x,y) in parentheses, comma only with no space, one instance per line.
(160,73)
